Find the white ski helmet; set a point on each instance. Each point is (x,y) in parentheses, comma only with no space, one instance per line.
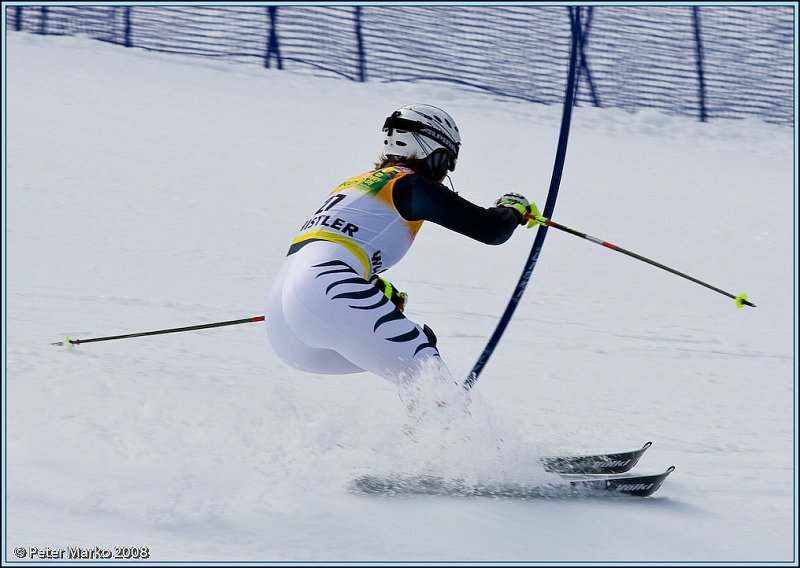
(421,130)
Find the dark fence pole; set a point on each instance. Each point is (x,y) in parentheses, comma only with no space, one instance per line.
(701,82)
(43,23)
(584,67)
(362,67)
(272,40)
(18,23)
(127,30)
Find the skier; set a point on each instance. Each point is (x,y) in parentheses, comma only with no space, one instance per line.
(328,311)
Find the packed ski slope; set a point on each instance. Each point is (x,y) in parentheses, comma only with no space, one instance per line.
(147,192)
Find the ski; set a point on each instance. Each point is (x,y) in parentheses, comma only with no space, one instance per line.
(588,485)
(599,463)
(635,485)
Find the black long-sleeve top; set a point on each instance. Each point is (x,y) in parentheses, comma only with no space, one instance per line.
(418,198)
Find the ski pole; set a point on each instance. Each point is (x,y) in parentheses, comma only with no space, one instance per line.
(69,341)
(741,299)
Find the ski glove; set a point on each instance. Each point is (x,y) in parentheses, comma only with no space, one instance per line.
(528,212)
(397,297)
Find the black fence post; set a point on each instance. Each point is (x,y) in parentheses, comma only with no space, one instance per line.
(362,67)
(701,82)
(584,70)
(272,40)
(127,29)
(18,23)
(43,23)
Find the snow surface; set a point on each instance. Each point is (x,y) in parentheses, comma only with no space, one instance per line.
(147,191)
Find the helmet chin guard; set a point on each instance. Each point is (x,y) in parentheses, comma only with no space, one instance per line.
(424,131)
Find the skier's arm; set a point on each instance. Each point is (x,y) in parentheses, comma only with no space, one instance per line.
(419,198)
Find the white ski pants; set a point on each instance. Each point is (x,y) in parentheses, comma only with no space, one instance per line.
(324,317)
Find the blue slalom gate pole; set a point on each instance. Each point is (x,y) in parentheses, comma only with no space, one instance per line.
(555,182)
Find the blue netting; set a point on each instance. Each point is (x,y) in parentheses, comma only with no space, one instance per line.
(648,51)
(632,56)
(232,33)
(514,51)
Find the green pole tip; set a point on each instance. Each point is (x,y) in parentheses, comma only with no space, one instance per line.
(741,300)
